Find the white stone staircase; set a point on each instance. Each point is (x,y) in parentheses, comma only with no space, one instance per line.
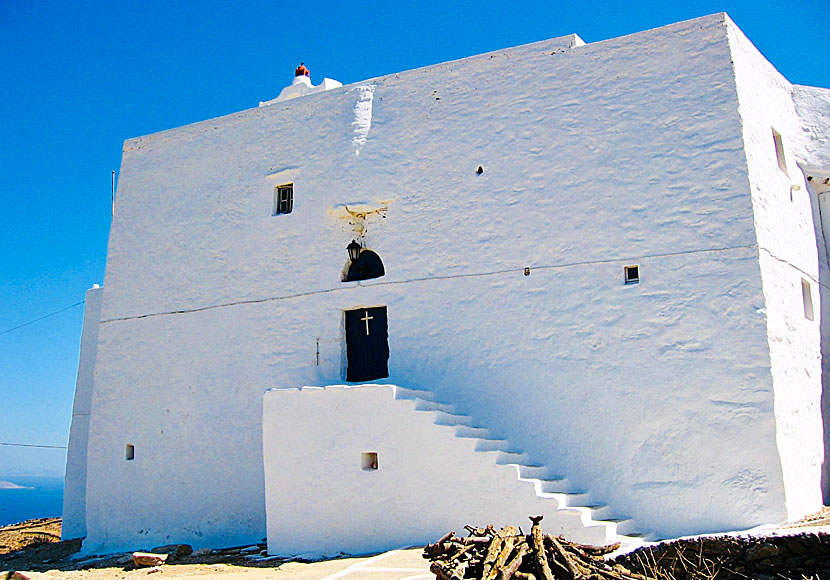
(555,495)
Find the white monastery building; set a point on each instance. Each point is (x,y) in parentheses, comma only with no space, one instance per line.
(587,281)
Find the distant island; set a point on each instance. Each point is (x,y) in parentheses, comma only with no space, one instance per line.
(10,485)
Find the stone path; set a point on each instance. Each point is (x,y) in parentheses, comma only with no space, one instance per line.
(393,565)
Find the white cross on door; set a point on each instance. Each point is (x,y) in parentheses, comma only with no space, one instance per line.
(367,318)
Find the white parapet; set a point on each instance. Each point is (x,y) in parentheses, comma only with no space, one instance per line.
(302,86)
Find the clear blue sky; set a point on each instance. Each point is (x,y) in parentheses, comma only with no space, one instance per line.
(78,78)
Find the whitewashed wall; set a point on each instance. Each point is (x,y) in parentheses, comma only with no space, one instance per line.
(74,493)
(813,156)
(320,500)
(657,398)
(813,107)
(788,254)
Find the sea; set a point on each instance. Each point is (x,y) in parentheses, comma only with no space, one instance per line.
(41,498)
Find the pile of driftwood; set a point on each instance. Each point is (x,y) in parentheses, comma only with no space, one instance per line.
(487,554)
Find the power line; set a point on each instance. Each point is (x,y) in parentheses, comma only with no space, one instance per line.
(41,318)
(32,445)
(427,279)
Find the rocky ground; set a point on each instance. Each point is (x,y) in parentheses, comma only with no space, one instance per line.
(35,546)
(791,557)
(799,551)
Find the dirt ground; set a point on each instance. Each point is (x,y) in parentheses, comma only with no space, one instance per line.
(34,549)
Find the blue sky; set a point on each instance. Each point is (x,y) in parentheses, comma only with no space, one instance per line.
(78,78)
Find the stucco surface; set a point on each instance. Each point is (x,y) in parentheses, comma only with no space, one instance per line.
(74,494)
(813,107)
(655,398)
(786,231)
(428,480)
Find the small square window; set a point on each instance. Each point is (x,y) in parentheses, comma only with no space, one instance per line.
(632,274)
(130,452)
(283,198)
(369,461)
(779,151)
(807,298)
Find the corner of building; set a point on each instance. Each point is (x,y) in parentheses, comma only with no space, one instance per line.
(792,264)
(74,497)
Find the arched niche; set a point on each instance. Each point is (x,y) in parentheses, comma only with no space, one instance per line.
(367,266)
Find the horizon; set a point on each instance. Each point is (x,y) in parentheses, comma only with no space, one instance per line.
(85,79)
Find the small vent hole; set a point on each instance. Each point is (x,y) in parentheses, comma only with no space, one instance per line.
(480,170)
(369,461)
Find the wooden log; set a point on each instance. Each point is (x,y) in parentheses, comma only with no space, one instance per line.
(473,531)
(464,551)
(492,553)
(539,555)
(438,547)
(596,550)
(459,571)
(572,566)
(437,568)
(507,572)
(508,535)
(475,540)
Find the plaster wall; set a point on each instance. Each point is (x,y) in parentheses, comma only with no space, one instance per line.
(813,156)
(74,493)
(813,107)
(427,482)
(656,398)
(787,240)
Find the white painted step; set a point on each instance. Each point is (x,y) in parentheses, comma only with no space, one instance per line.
(575,503)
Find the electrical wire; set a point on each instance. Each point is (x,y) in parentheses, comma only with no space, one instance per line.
(33,445)
(41,318)
(371,283)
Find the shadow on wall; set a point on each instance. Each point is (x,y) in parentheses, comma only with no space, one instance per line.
(819,189)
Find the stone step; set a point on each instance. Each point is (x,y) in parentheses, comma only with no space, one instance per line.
(512,458)
(570,503)
(604,512)
(468,432)
(424,405)
(492,445)
(534,472)
(451,419)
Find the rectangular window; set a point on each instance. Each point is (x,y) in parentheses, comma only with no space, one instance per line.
(632,274)
(779,151)
(283,198)
(130,452)
(807,298)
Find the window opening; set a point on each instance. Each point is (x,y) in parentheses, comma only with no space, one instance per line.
(367,266)
(779,151)
(130,452)
(807,298)
(369,461)
(632,274)
(283,198)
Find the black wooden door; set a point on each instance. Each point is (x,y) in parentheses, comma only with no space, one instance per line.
(367,346)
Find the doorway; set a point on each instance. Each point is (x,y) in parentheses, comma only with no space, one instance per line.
(367,344)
